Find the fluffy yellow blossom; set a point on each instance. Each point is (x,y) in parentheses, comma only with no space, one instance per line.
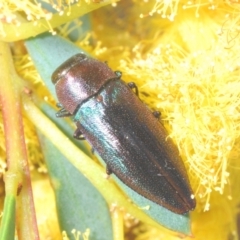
(184,57)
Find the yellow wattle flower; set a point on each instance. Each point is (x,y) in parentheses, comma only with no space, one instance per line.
(186,65)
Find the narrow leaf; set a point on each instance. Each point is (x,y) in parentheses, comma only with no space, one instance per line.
(51,52)
(7,230)
(79,204)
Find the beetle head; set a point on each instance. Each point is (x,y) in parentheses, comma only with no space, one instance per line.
(79,78)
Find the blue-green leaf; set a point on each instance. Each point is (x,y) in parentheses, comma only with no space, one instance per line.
(79,204)
(51,52)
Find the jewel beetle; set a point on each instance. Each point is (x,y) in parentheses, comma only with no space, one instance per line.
(123,131)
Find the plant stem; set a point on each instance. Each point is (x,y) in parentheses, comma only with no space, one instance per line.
(17,176)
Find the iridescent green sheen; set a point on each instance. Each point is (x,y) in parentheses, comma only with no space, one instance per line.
(134,145)
(123,131)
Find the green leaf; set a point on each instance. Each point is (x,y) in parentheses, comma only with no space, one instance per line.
(7,230)
(79,204)
(53,51)
(77,200)
(168,219)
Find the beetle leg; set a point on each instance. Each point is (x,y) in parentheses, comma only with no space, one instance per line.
(59,105)
(156,114)
(78,134)
(108,170)
(63,113)
(118,74)
(132,85)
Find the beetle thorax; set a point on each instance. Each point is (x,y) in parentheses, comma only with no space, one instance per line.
(78,79)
